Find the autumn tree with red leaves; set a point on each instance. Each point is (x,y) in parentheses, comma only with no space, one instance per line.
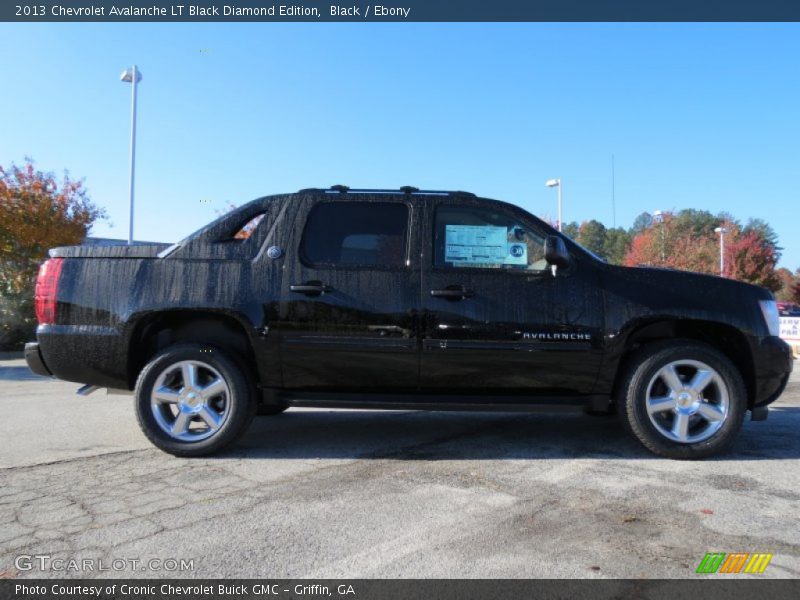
(749,257)
(37,212)
(686,240)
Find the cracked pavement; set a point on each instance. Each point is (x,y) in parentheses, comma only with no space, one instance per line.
(335,494)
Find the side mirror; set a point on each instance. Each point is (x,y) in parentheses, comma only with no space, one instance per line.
(555,253)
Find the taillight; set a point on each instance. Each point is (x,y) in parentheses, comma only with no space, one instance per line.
(46,288)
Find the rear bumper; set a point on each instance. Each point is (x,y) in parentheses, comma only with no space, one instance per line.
(35,361)
(83,354)
(773,363)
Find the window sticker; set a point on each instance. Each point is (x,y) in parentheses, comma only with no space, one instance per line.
(517,254)
(482,245)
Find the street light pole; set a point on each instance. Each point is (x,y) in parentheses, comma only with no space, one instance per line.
(721,231)
(132,76)
(556,183)
(659,218)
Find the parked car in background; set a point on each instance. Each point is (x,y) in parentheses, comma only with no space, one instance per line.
(403,299)
(788,309)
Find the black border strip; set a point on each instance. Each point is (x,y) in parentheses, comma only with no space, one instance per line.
(402,10)
(739,587)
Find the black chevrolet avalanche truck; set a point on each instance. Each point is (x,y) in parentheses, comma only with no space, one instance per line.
(403,299)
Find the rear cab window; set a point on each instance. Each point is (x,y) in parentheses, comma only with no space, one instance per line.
(352,234)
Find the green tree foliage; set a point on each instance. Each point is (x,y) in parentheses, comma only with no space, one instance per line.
(642,222)
(592,236)
(610,244)
(616,245)
(571,230)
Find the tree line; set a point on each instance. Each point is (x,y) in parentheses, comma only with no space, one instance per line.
(687,239)
(39,211)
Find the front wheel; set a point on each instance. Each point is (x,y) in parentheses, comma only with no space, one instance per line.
(193,400)
(682,399)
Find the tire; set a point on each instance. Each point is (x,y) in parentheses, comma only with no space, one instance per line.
(198,419)
(697,415)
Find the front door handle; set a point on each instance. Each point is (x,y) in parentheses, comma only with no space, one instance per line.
(453,292)
(311,288)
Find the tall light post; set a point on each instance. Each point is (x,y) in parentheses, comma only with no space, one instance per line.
(658,217)
(132,76)
(721,231)
(556,183)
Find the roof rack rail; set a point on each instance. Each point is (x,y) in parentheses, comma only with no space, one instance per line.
(406,189)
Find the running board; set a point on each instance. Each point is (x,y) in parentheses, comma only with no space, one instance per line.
(442,403)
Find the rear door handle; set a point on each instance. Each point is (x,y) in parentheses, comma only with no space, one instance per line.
(311,288)
(453,292)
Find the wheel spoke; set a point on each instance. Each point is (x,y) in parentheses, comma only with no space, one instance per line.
(211,418)
(670,377)
(701,380)
(189,374)
(187,393)
(657,405)
(166,395)
(181,424)
(680,426)
(711,412)
(214,388)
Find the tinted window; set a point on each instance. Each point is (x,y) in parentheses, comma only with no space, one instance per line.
(485,239)
(356,234)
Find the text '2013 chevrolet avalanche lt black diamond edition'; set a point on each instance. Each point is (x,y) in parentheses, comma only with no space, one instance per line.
(403,299)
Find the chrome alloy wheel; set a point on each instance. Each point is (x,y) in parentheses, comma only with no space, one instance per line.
(190,400)
(687,401)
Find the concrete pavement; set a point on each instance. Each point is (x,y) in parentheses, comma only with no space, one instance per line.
(321,493)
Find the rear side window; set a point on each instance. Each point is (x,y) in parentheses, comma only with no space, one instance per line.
(248,228)
(370,234)
(483,238)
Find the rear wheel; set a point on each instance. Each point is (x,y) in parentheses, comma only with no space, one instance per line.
(683,399)
(193,400)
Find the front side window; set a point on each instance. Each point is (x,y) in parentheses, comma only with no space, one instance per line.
(485,239)
(356,234)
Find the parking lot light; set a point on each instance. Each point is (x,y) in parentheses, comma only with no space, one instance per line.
(132,76)
(721,231)
(556,183)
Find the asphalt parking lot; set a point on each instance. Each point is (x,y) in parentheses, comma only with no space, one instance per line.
(321,493)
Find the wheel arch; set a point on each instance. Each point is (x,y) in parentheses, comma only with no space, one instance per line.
(155,331)
(725,338)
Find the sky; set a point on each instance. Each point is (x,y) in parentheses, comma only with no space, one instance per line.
(703,116)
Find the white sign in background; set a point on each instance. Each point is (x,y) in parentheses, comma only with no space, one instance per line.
(790,329)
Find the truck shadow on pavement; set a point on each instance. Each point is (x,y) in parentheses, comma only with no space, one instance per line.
(482,436)
(19,374)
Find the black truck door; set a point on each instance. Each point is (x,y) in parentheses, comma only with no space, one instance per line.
(496,320)
(350,295)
